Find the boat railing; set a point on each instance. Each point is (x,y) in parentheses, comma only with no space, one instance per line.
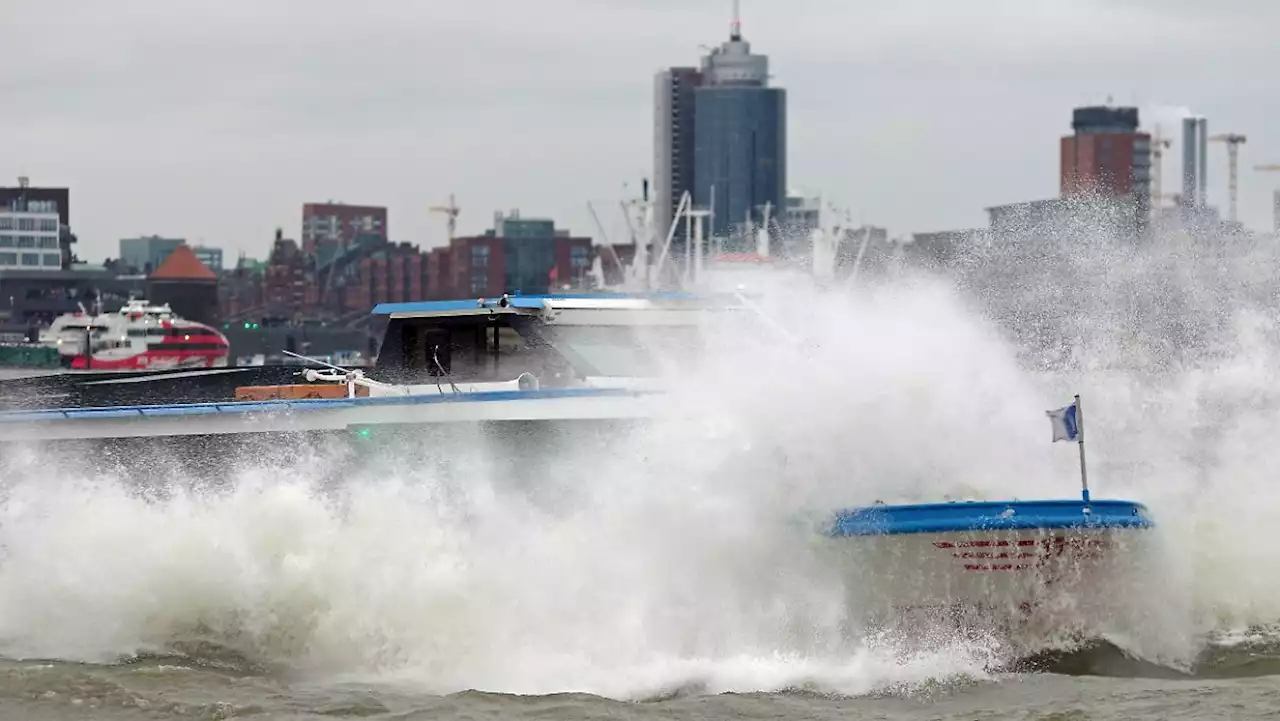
(355,378)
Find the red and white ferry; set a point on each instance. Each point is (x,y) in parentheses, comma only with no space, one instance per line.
(140,336)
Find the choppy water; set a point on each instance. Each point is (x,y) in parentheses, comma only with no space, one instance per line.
(665,571)
(1235,684)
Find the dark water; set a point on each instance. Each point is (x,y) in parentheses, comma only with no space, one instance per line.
(1238,682)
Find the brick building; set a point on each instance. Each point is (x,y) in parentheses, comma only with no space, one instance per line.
(393,273)
(187,285)
(1107,157)
(340,276)
(242,289)
(288,282)
(524,255)
(327,227)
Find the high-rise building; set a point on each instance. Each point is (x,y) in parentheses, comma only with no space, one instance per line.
(720,135)
(1107,156)
(673,106)
(740,131)
(1195,145)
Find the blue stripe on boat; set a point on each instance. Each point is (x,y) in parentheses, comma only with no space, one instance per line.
(989,516)
(308,404)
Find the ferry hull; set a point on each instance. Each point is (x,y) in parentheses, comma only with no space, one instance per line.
(1083,565)
(309,415)
(1013,572)
(150,360)
(533,456)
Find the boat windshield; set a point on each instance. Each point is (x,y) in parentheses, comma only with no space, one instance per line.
(627,351)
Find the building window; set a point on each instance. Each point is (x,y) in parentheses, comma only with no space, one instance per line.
(48,225)
(6,223)
(48,242)
(26,223)
(52,260)
(7,241)
(8,258)
(578,257)
(31,259)
(26,241)
(480,256)
(479,282)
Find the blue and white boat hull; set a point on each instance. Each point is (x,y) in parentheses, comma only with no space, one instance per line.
(312,415)
(1016,559)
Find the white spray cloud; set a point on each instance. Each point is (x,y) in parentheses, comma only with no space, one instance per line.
(674,555)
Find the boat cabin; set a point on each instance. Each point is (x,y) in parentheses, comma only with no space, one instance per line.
(561,340)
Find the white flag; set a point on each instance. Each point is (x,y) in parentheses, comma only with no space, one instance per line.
(1066,425)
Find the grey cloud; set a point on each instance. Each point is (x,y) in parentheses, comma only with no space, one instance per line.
(218,120)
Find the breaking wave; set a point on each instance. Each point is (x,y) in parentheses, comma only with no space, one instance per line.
(681,555)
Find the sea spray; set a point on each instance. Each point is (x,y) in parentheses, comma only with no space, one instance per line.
(675,552)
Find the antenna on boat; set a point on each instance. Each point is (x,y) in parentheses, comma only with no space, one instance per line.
(857,262)
(606,242)
(317,361)
(686,199)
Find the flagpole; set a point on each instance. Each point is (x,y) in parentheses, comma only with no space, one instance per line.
(1084,474)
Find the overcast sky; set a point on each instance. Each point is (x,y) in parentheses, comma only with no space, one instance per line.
(216,121)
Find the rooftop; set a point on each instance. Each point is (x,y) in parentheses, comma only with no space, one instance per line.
(182,264)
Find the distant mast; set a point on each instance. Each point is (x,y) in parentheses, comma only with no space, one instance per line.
(735,24)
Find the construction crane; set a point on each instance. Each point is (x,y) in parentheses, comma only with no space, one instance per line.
(1233,142)
(1275,196)
(451,215)
(1158,145)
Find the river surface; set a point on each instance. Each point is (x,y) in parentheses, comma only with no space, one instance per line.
(182,688)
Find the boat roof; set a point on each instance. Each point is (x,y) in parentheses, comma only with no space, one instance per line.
(961,516)
(524,304)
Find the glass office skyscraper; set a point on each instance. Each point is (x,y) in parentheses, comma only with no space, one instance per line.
(740,131)
(720,134)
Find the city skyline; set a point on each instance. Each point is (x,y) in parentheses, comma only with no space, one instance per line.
(914,117)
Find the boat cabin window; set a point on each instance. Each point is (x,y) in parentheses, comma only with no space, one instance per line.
(465,349)
(626,351)
(488,349)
